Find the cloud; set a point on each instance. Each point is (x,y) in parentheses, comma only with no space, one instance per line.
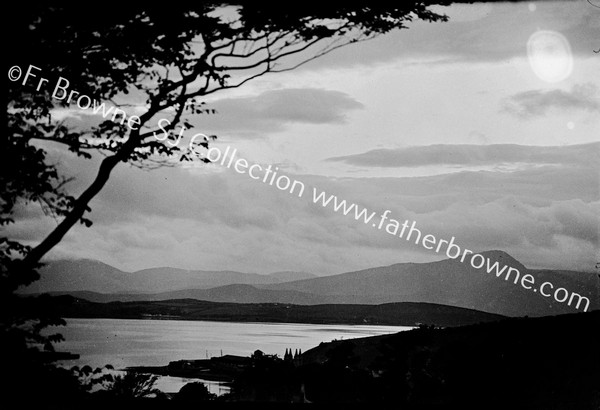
(481,32)
(474,155)
(545,217)
(252,117)
(273,110)
(585,97)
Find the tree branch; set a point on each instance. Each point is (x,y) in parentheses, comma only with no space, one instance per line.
(81,203)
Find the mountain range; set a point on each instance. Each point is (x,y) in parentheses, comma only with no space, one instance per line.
(446,282)
(96,276)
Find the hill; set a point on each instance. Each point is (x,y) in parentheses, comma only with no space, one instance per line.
(453,283)
(288,276)
(533,363)
(94,276)
(227,294)
(399,314)
(447,282)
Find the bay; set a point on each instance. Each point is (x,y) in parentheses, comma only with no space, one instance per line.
(132,342)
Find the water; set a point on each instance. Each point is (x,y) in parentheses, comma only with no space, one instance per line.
(130,342)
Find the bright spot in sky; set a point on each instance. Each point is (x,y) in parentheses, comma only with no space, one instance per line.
(532,6)
(550,56)
(570,125)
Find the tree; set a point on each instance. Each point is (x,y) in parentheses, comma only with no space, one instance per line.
(168,58)
(196,391)
(132,385)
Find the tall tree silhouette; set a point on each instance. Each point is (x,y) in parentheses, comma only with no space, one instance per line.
(168,57)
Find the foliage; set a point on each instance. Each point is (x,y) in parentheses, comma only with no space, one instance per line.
(133,385)
(110,384)
(195,391)
(268,378)
(163,59)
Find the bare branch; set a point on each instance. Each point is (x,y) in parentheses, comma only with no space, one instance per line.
(323,52)
(251,52)
(226,87)
(79,144)
(233,41)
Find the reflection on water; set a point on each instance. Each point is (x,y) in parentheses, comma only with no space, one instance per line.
(130,342)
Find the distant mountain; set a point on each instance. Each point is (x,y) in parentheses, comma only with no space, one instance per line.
(288,276)
(83,274)
(446,282)
(453,283)
(95,276)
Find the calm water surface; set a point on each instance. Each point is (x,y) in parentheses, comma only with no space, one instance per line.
(129,342)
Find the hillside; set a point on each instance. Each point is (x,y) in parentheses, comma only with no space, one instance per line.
(227,294)
(288,276)
(94,276)
(534,363)
(399,314)
(447,282)
(450,282)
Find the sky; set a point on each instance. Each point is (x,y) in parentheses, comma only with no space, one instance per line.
(485,128)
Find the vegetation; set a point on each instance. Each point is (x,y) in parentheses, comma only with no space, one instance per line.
(542,363)
(400,314)
(165,58)
(195,391)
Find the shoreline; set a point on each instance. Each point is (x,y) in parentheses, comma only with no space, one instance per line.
(206,374)
(238,320)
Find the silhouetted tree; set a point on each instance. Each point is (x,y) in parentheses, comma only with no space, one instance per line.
(166,57)
(132,385)
(269,378)
(169,56)
(196,391)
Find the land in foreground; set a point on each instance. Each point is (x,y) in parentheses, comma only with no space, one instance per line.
(534,363)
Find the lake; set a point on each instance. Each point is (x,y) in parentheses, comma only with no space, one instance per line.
(130,342)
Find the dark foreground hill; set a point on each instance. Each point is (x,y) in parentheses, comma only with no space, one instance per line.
(525,363)
(238,293)
(400,314)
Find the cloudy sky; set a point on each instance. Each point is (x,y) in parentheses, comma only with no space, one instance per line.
(485,128)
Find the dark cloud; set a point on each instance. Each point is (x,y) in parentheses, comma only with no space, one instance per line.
(489,32)
(272,110)
(475,155)
(585,97)
(268,112)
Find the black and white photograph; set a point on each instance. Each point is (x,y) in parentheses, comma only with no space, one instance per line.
(310,205)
